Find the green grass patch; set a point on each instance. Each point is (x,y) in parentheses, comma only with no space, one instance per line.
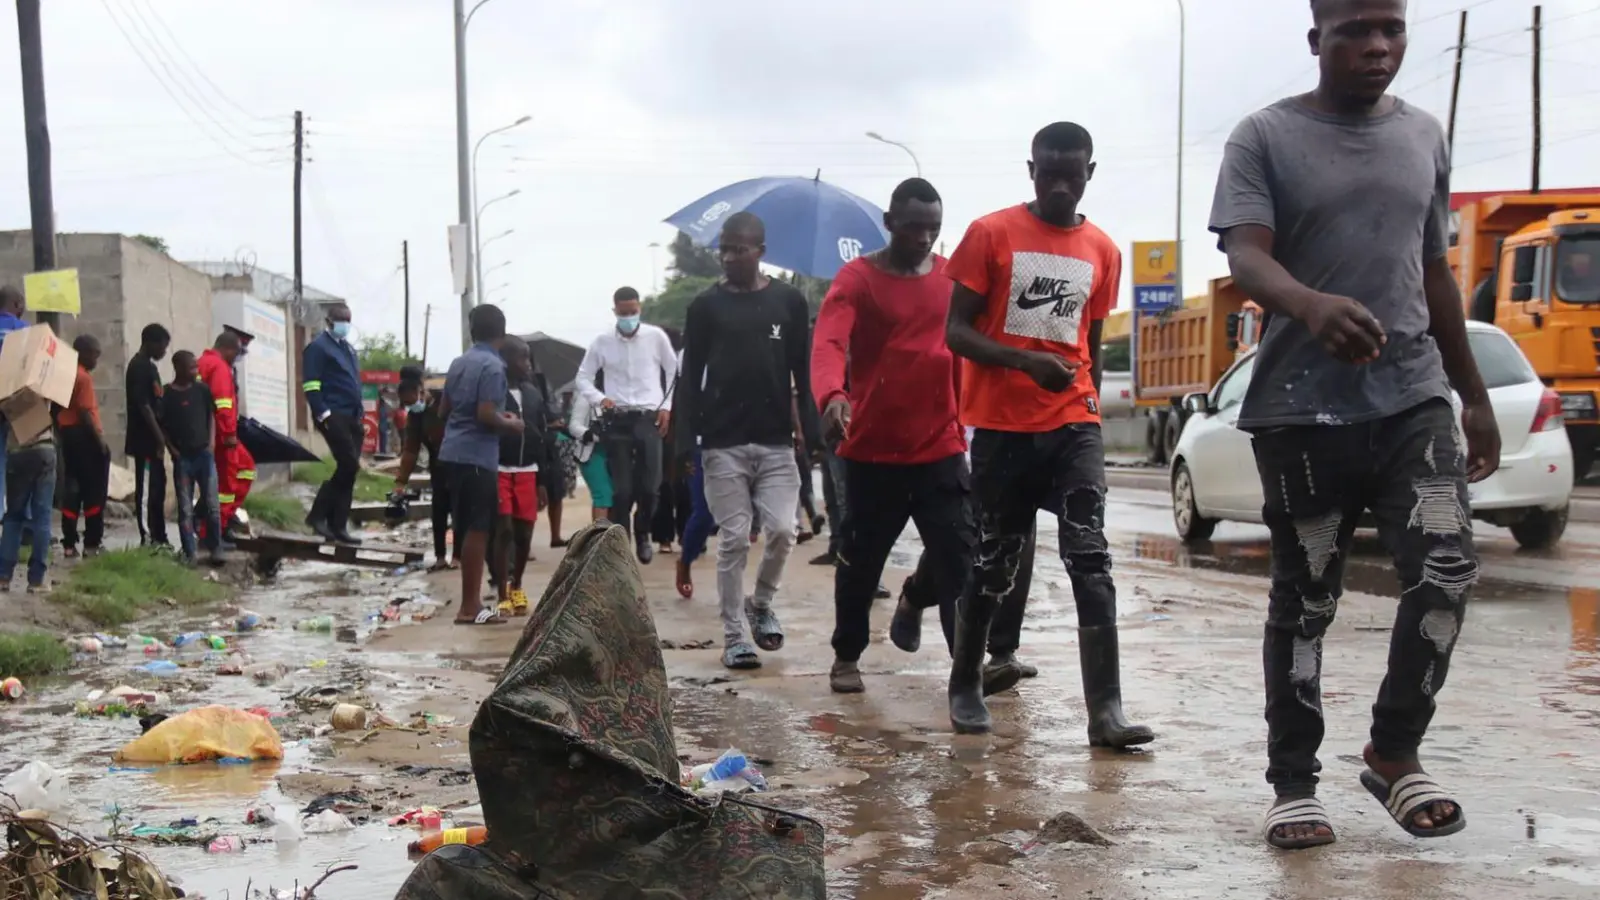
(370,486)
(119,587)
(274,509)
(25,653)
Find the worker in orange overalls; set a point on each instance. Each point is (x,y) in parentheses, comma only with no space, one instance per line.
(236,468)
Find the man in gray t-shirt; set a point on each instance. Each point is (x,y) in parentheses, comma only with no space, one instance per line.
(1332,208)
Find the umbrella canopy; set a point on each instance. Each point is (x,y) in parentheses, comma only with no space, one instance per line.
(556,359)
(813,227)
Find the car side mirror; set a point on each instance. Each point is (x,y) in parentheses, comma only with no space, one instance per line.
(1197,404)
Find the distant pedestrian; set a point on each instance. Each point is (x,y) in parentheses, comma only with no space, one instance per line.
(475,421)
(522,457)
(639,366)
(146,444)
(88,458)
(1334,209)
(189,426)
(746,347)
(333,391)
(896,429)
(31,489)
(425,431)
(1034,284)
(12,305)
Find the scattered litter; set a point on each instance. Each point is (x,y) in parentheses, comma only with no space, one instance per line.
(204,734)
(687,645)
(44,861)
(230,843)
(327,822)
(315,623)
(429,843)
(348,717)
(233,665)
(11,688)
(159,667)
(90,645)
(37,786)
(265,673)
(450,778)
(731,773)
(427,818)
(247,621)
(120,701)
(340,801)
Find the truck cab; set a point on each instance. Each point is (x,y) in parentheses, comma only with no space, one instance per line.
(1530,263)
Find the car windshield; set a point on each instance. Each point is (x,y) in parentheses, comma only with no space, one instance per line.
(1500,360)
(1578,269)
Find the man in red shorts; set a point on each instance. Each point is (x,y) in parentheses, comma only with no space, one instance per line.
(521,497)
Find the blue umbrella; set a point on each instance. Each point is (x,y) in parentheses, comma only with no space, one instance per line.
(813,228)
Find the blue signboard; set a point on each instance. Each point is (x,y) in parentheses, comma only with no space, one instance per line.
(1154,298)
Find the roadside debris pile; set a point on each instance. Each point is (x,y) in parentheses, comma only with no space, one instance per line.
(42,860)
(582,792)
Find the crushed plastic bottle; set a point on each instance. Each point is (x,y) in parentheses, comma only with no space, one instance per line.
(731,773)
(159,667)
(228,843)
(193,637)
(315,623)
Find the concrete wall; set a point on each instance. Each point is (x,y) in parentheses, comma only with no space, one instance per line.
(125,286)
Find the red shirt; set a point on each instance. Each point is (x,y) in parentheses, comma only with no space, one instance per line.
(888,331)
(1045,286)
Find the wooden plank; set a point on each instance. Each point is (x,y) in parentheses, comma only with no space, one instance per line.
(273,546)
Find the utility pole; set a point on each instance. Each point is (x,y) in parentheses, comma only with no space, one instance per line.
(463,169)
(41,199)
(427,319)
(299,166)
(405,263)
(1538,115)
(1455,87)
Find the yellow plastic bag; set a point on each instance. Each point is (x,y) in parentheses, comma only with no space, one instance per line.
(207,733)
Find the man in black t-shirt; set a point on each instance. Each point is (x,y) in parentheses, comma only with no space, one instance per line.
(142,388)
(189,426)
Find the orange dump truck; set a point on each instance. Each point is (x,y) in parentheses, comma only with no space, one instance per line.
(1185,351)
(1530,263)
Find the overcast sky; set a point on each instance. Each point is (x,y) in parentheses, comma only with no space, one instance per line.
(174,118)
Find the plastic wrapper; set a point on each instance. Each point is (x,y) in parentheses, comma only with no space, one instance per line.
(207,733)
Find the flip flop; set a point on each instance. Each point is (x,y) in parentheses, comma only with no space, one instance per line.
(1409,794)
(685,581)
(1300,811)
(486,616)
(439,565)
(740,655)
(764,627)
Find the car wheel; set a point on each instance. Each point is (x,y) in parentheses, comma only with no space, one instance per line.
(1185,515)
(1172,432)
(1540,529)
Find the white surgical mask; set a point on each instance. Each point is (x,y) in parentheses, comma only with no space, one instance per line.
(418,406)
(341,330)
(627,324)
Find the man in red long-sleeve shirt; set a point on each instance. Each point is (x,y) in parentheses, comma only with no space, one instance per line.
(236,468)
(902,445)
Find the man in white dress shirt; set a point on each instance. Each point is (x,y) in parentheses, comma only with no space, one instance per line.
(638,368)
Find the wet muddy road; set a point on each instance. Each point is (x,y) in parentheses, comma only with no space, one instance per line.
(914,812)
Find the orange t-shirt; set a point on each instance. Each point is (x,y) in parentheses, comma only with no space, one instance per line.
(1045,286)
(84,405)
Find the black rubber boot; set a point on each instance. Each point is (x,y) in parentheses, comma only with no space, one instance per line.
(1001,660)
(968,714)
(1102,691)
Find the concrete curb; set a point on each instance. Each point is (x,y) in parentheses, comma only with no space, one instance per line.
(1585,505)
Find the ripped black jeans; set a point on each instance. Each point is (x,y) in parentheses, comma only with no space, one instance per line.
(1407,470)
(1014,475)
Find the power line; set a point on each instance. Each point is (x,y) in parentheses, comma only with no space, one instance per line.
(196,66)
(149,67)
(174,72)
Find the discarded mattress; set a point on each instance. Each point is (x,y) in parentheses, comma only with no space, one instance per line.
(576,765)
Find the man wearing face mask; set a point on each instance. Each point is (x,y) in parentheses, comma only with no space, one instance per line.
(333,391)
(638,367)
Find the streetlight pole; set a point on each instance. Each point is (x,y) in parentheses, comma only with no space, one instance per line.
(883,140)
(464,179)
(1183,28)
(477,219)
(655,274)
(507,233)
(479,146)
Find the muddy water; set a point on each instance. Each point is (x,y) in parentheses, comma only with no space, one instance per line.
(912,811)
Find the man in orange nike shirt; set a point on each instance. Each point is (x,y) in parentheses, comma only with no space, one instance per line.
(1033,286)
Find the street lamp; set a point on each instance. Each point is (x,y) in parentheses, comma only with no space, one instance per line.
(883,140)
(497,266)
(477,221)
(507,233)
(655,274)
(465,183)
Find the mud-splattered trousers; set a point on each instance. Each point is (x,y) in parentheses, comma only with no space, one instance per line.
(882,498)
(1014,475)
(1407,470)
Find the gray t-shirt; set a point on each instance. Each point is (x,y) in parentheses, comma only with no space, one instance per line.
(1356,207)
(477,376)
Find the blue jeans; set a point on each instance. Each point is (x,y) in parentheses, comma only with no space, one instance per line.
(189,472)
(31,494)
(698,529)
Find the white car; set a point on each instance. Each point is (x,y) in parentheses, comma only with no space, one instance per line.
(1214,475)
